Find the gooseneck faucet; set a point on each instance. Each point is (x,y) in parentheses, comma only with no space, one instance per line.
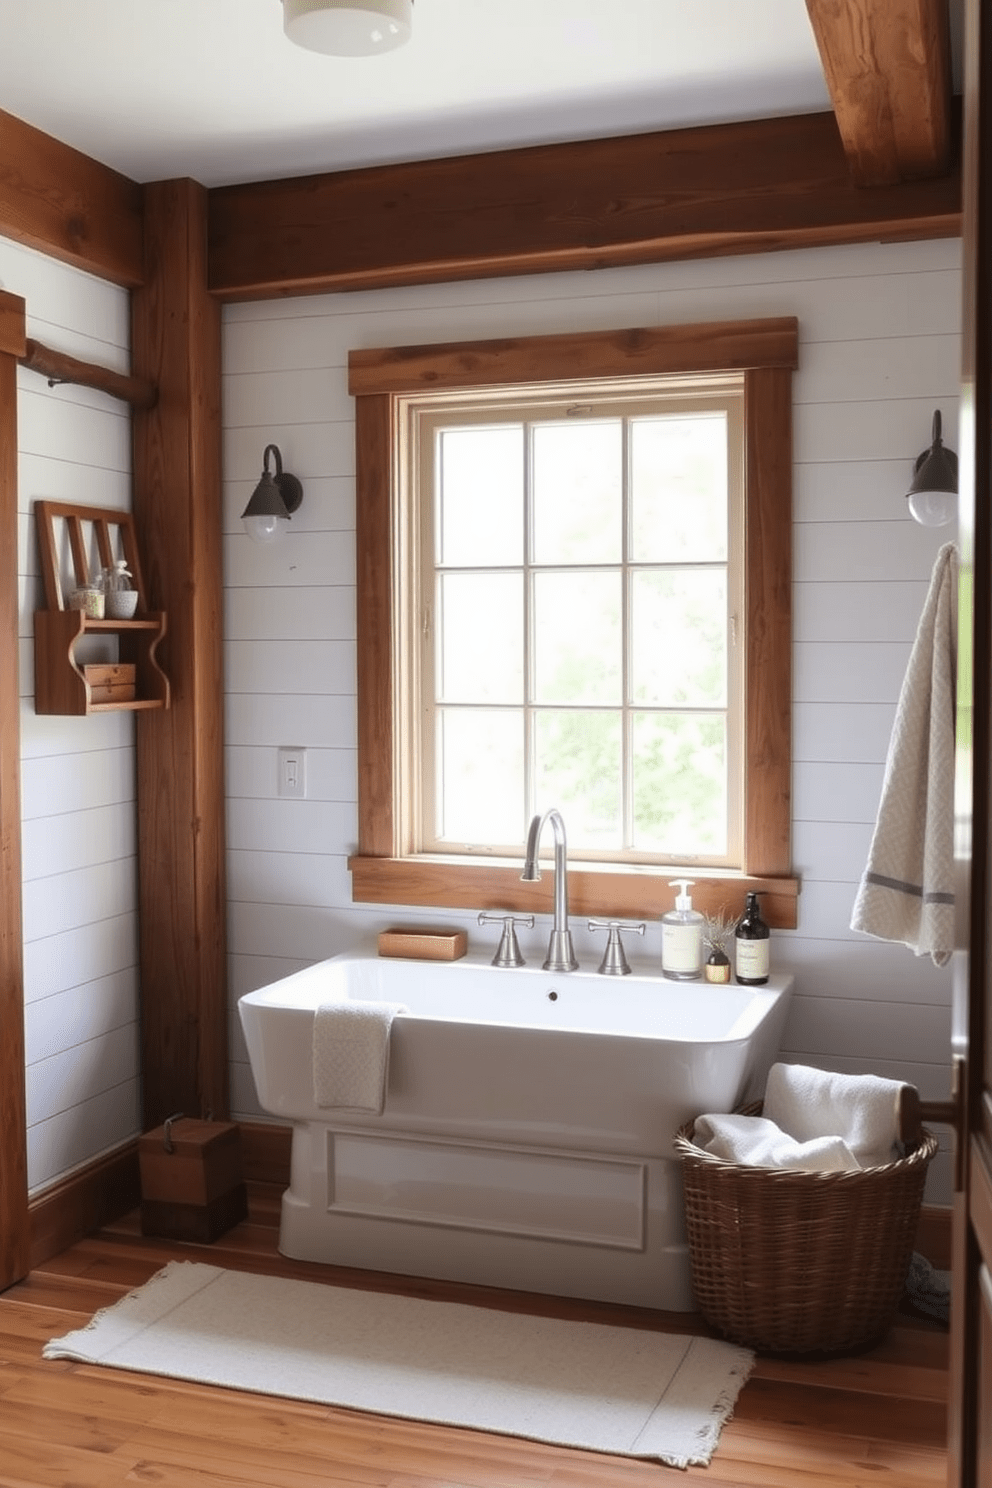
(561,957)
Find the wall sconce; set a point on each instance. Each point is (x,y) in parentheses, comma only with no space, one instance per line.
(933,492)
(273,500)
(348,28)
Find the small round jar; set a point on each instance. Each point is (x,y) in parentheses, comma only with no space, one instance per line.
(717,968)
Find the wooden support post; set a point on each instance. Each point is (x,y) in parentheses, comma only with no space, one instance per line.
(14,1227)
(177,508)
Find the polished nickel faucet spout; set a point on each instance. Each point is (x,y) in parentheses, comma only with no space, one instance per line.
(561,957)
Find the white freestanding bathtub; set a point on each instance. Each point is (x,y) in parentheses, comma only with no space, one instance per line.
(526,1136)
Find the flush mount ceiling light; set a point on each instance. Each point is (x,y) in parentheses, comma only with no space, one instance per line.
(933,492)
(273,500)
(348,28)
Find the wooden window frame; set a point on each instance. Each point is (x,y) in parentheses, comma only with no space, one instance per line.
(766,351)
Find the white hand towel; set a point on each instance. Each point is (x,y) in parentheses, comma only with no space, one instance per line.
(907,889)
(759,1143)
(351,1054)
(863,1110)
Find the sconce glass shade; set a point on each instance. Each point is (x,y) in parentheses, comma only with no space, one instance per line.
(272,502)
(933,491)
(348,28)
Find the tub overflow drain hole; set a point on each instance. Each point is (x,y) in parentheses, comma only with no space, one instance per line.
(552,996)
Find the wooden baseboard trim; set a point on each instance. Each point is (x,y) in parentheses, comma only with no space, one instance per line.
(86,1200)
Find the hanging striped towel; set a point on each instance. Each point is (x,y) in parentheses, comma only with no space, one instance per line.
(907,889)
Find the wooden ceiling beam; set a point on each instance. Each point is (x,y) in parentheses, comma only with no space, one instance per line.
(887,65)
(63,203)
(689,193)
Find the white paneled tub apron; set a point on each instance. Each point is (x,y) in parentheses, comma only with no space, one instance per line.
(525,1139)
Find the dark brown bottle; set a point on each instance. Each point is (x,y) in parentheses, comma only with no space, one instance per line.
(751,945)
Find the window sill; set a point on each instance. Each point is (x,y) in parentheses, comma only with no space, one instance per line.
(616,892)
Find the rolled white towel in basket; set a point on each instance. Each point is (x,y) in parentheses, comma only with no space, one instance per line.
(759,1143)
(863,1110)
(351,1054)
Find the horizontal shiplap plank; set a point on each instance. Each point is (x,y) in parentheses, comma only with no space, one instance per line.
(52,1025)
(78,839)
(65,429)
(836,791)
(904,366)
(76,957)
(320,721)
(893,1031)
(321,612)
(881,429)
(291,666)
(274,876)
(827,552)
(67,901)
(101,778)
(290,931)
(68,1079)
(298,557)
(854,732)
(307,828)
(99,1124)
(846,672)
(248,973)
(59,296)
(864,611)
(831,851)
(308,449)
(295,395)
(861,969)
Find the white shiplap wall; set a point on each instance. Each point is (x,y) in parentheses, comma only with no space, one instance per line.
(879,350)
(77,774)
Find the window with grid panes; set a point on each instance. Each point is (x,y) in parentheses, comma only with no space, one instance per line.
(577,606)
(574,589)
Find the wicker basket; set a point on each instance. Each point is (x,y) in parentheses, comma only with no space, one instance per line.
(789,1262)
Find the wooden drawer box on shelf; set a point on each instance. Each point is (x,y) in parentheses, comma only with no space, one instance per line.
(63,682)
(110,684)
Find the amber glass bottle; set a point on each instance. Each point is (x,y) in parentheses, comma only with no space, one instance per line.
(751,945)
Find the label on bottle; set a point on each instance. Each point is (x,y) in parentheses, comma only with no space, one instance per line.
(752,958)
(682,948)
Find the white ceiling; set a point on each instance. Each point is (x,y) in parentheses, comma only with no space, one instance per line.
(212,88)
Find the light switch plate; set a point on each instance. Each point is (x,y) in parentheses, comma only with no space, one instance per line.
(292,772)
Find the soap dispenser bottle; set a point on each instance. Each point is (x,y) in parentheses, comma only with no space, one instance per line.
(682,937)
(751,945)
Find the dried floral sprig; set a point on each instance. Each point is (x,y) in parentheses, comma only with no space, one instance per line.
(718,928)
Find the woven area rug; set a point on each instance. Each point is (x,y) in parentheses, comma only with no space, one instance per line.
(604,1388)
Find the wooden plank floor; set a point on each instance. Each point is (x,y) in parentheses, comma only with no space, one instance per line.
(878,1419)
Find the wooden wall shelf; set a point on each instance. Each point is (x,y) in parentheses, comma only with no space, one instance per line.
(59,683)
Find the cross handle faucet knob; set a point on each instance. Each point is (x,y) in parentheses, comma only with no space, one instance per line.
(508,952)
(614,962)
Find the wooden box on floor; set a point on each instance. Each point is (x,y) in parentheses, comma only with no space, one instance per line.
(191,1180)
